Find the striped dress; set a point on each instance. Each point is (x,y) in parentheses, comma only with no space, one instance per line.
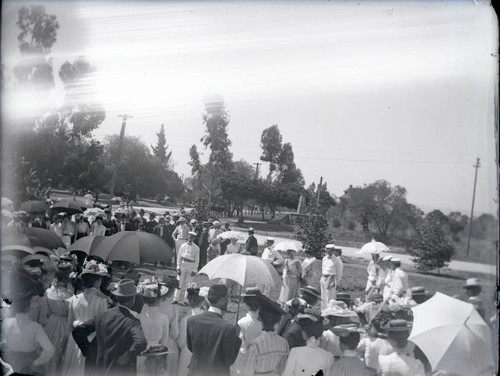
(349,364)
(267,355)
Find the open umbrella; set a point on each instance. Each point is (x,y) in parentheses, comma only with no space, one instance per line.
(133,246)
(244,269)
(31,237)
(452,335)
(35,206)
(86,244)
(374,247)
(287,245)
(18,251)
(231,235)
(49,239)
(68,206)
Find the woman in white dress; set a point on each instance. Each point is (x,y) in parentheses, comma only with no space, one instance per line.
(197,306)
(308,277)
(172,312)
(291,275)
(155,326)
(83,307)
(232,287)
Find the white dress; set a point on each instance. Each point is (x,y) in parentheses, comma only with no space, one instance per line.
(308,360)
(82,307)
(171,311)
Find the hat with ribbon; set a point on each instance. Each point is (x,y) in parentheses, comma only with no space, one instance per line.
(150,289)
(125,287)
(397,325)
(472,282)
(311,291)
(343,330)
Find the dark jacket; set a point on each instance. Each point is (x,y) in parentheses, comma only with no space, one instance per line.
(214,344)
(251,245)
(118,333)
(293,335)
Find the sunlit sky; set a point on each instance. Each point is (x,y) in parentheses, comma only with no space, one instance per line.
(363,90)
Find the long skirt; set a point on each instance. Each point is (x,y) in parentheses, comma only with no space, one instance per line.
(184,360)
(58,331)
(74,362)
(289,288)
(173,357)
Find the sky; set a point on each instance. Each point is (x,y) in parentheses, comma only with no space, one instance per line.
(363,90)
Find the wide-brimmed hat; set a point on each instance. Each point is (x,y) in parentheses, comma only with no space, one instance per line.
(269,239)
(397,325)
(124,287)
(343,296)
(296,303)
(149,289)
(337,308)
(270,305)
(396,260)
(311,291)
(252,291)
(471,282)
(44,260)
(375,297)
(343,330)
(418,291)
(95,268)
(387,258)
(181,219)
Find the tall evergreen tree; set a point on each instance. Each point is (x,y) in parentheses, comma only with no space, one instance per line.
(160,150)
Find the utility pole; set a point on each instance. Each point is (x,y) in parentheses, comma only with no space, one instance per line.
(118,157)
(257,169)
(319,189)
(476,166)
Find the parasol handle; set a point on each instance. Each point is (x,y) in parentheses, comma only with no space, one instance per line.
(239,302)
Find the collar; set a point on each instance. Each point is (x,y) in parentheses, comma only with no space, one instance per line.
(215,310)
(133,313)
(350,353)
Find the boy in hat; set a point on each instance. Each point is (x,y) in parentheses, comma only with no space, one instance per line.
(118,333)
(188,258)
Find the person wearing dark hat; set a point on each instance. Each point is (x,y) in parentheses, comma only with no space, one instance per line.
(82,307)
(311,295)
(214,342)
(399,363)
(309,359)
(251,245)
(119,335)
(349,362)
(110,223)
(267,354)
(344,297)
(250,326)
(373,344)
(97,228)
(203,243)
(188,258)
(151,224)
(418,295)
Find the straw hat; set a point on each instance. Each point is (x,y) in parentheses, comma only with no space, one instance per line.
(471,282)
(311,291)
(150,289)
(125,287)
(95,268)
(397,325)
(338,309)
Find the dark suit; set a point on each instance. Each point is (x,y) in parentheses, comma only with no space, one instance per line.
(293,335)
(214,344)
(251,245)
(117,332)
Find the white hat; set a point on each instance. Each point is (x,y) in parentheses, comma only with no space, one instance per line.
(270,239)
(472,282)
(330,246)
(395,259)
(193,220)
(387,258)
(192,233)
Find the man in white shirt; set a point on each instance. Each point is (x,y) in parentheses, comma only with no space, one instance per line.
(188,258)
(339,265)
(328,280)
(399,283)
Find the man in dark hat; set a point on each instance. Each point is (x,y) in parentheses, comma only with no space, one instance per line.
(213,341)
(151,224)
(311,295)
(119,334)
(251,245)
(110,223)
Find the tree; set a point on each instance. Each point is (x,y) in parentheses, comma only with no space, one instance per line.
(195,162)
(36,38)
(287,170)
(313,231)
(430,247)
(216,120)
(457,222)
(270,142)
(160,150)
(383,205)
(326,200)
(485,227)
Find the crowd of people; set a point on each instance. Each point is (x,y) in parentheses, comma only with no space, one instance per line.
(68,316)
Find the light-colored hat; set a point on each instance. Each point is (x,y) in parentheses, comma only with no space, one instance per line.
(387,258)
(150,290)
(251,230)
(193,220)
(472,282)
(344,330)
(296,302)
(124,287)
(395,259)
(192,233)
(181,219)
(330,246)
(269,239)
(95,268)
(337,308)
(204,291)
